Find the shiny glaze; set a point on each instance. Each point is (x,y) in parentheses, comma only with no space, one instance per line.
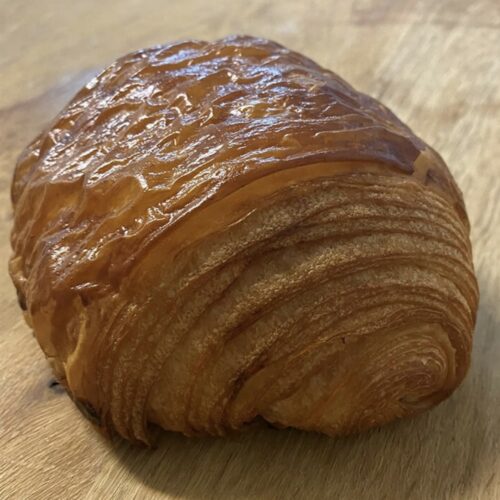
(166,130)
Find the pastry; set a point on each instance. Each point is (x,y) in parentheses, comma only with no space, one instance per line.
(215,233)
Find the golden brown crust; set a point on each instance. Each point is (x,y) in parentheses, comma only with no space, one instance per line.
(212,232)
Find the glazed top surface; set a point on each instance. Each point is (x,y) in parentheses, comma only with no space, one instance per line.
(165,131)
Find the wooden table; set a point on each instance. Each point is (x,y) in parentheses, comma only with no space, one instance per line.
(436,63)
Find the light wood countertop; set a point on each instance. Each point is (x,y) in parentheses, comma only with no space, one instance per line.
(436,63)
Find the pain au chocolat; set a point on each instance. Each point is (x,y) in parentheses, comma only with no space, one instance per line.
(215,233)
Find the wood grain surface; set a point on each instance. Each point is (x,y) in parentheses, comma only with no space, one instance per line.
(436,63)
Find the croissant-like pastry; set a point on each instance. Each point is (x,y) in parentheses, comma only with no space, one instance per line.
(211,234)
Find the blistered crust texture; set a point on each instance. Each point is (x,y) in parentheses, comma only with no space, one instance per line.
(213,233)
